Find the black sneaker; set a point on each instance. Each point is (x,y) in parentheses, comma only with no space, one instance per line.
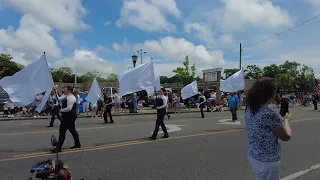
(165,136)
(152,138)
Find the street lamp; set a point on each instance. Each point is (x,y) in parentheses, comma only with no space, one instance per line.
(134,60)
(141,52)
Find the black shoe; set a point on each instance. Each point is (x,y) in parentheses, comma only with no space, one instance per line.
(202,117)
(50,126)
(165,136)
(55,150)
(75,147)
(106,122)
(152,138)
(111,121)
(169,117)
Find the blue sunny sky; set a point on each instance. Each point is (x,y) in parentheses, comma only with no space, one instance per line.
(102,35)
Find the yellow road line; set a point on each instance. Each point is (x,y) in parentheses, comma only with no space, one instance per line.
(124,144)
(39,153)
(104,127)
(28,156)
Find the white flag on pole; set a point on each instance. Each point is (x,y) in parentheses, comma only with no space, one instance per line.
(94,93)
(189,90)
(234,83)
(137,79)
(24,86)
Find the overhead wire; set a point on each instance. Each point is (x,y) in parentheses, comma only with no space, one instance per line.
(276,35)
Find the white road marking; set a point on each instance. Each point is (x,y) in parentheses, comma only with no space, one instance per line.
(171,128)
(228,121)
(301,173)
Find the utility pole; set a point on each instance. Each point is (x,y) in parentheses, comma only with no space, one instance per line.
(240,56)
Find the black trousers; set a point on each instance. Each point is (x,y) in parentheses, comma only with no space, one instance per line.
(106,113)
(234,114)
(68,123)
(54,113)
(201,111)
(315,104)
(160,117)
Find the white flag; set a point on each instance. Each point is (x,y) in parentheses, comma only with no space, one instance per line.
(156,86)
(234,83)
(157,83)
(94,93)
(137,79)
(189,90)
(24,86)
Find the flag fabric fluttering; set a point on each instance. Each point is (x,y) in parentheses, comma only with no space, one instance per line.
(234,83)
(25,85)
(317,87)
(94,93)
(137,79)
(189,90)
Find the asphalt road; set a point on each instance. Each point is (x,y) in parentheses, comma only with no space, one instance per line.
(198,149)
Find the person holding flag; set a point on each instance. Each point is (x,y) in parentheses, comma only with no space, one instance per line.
(69,116)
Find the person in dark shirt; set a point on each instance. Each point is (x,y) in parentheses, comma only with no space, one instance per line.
(108,108)
(315,99)
(69,116)
(202,100)
(161,105)
(284,107)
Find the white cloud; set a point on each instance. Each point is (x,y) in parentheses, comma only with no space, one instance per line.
(59,14)
(32,36)
(226,39)
(107,23)
(148,15)
(238,14)
(83,61)
(172,51)
(124,47)
(315,5)
(202,31)
(68,39)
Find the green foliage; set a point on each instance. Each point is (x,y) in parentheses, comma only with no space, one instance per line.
(186,74)
(229,72)
(7,66)
(253,72)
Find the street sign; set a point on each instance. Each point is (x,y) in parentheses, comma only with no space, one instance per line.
(171,128)
(229,121)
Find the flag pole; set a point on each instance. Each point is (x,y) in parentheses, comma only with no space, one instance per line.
(54,89)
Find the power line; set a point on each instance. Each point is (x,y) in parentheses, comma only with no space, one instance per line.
(304,22)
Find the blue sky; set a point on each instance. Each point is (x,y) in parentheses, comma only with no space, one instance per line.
(102,35)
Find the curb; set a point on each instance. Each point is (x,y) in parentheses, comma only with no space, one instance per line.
(48,117)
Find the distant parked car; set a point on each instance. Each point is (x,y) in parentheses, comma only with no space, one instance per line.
(4,97)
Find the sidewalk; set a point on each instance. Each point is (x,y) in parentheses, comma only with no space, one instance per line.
(140,112)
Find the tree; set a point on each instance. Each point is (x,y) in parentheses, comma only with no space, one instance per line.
(186,74)
(285,82)
(8,67)
(230,72)
(253,71)
(271,71)
(305,80)
(163,79)
(63,74)
(289,67)
(112,77)
(88,76)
